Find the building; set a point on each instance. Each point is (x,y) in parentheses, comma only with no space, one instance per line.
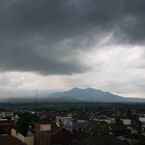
(42,134)
(61,137)
(9,140)
(28,140)
(65,122)
(6,126)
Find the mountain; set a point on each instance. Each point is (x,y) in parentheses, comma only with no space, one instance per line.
(76,95)
(86,95)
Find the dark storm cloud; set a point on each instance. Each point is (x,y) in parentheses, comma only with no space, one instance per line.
(45,35)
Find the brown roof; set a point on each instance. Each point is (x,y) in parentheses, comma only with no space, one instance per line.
(5,126)
(8,140)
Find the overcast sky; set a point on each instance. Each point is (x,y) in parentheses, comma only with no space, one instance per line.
(60,44)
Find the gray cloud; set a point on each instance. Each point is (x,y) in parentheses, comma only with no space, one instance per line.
(46,35)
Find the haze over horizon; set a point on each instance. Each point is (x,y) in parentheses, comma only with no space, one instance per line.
(50,45)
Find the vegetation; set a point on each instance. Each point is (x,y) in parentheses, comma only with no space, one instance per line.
(25,122)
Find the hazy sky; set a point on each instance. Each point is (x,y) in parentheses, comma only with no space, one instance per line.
(60,44)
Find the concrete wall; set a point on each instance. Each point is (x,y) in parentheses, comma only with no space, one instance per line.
(29,140)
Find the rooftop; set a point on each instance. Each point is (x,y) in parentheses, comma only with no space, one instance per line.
(8,140)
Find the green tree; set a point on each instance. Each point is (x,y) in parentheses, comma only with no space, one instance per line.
(26,120)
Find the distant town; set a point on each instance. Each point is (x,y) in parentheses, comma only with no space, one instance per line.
(72,124)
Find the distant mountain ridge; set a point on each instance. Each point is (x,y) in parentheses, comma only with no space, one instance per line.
(92,95)
(77,95)
(87,95)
